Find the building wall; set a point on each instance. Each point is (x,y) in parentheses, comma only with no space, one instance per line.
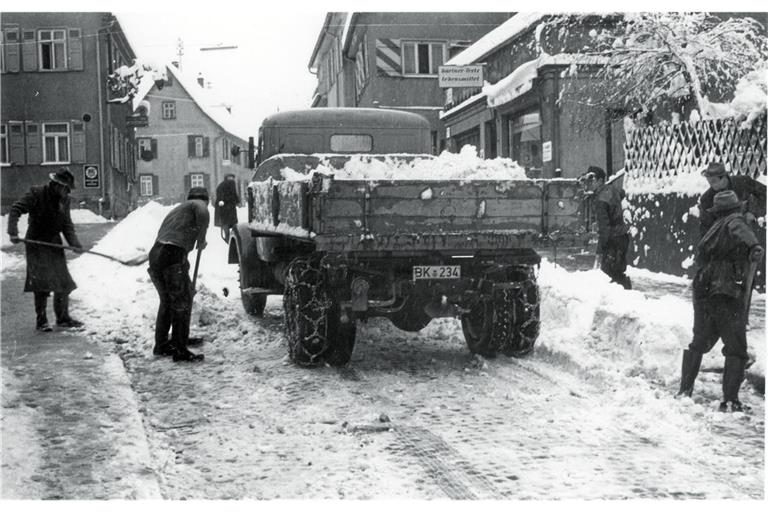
(172,165)
(69,96)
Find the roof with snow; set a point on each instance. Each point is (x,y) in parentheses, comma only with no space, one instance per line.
(207,102)
(495,38)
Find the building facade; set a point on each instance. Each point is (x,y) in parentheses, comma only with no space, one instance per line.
(57,108)
(188,141)
(391,59)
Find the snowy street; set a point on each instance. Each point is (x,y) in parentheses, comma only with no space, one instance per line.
(590,414)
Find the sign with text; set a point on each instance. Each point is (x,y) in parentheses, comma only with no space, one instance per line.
(460,76)
(136,121)
(546,151)
(91,177)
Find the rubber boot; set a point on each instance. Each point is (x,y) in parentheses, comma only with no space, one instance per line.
(41,318)
(733,376)
(689,371)
(61,309)
(180,338)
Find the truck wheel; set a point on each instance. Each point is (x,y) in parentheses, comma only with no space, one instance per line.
(306,304)
(411,318)
(253,303)
(478,327)
(341,338)
(527,324)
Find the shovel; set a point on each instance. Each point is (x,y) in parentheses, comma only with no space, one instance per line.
(133,262)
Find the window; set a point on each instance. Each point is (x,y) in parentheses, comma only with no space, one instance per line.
(169,110)
(196,180)
(2,52)
(225,149)
(144,145)
(198,146)
(52,49)
(525,143)
(351,143)
(55,142)
(422,58)
(145,185)
(4,157)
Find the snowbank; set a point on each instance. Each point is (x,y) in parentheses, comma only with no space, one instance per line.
(465,165)
(82,216)
(683,183)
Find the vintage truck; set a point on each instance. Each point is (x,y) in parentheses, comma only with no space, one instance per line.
(342,244)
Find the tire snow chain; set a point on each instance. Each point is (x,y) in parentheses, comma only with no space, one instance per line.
(307,280)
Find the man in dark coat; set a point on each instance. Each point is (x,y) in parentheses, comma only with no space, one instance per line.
(181,229)
(719,308)
(750,191)
(48,209)
(227,199)
(613,233)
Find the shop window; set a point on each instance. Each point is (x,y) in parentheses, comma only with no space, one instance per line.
(525,140)
(52,49)
(422,58)
(55,143)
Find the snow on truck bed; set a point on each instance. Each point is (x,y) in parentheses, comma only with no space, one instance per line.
(463,166)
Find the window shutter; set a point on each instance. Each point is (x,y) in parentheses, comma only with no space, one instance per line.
(75,50)
(34,144)
(206,147)
(187,184)
(155,185)
(16,142)
(154,148)
(388,57)
(78,141)
(207,182)
(190,145)
(11,48)
(29,51)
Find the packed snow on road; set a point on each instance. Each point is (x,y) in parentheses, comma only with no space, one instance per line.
(594,404)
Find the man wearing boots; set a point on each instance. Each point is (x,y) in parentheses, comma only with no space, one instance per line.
(613,233)
(48,209)
(719,308)
(181,229)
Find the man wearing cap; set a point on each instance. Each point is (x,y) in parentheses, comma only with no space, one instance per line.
(48,209)
(748,190)
(723,255)
(183,228)
(613,233)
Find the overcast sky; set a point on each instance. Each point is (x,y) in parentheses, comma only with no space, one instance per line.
(266,72)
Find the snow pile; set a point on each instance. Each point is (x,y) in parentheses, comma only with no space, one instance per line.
(83,216)
(750,100)
(688,184)
(463,166)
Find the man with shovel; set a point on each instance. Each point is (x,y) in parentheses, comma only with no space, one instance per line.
(49,217)
(181,229)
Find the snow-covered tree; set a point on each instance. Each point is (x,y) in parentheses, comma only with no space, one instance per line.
(643,61)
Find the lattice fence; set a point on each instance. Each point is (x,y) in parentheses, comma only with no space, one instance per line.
(669,149)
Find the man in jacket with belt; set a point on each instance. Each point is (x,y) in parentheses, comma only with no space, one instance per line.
(48,209)
(719,296)
(613,233)
(183,228)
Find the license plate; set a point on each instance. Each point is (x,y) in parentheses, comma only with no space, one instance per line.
(436,272)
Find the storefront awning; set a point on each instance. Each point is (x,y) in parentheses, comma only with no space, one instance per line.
(513,85)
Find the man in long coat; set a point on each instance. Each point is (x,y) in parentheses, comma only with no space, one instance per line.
(613,233)
(48,209)
(227,199)
(748,190)
(719,296)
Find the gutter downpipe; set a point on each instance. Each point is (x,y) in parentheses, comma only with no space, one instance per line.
(101,124)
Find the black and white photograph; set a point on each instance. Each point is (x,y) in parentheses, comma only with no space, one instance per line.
(383,254)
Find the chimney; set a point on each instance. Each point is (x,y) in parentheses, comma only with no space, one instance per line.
(201,80)
(175,64)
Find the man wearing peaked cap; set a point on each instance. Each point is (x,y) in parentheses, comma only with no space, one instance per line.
(49,217)
(719,296)
(746,189)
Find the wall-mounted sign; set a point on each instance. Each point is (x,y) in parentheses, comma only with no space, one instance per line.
(460,76)
(136,121)
(91,176)
(546,151)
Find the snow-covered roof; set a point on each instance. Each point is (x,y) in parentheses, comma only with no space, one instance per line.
(495,38)
(207,102)
(513,85)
